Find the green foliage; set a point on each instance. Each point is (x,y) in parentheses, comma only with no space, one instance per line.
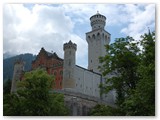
(12,106)
(122,61)
(33,97)
(142,101)
(57,105)
(103,110)
(7,86)
(134,74)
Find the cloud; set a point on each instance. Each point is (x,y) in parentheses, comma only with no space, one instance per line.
(34,28)
(134,19)
(28,28)
(139,20)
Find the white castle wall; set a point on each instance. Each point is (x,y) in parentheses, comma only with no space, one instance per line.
(87,82)
(84,80)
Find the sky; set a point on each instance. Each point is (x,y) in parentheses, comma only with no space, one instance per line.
(29,27)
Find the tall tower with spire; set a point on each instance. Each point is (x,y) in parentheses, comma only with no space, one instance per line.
(97,38)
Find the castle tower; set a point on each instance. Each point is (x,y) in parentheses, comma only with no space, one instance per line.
(69,65)
(17,74)
(97,39)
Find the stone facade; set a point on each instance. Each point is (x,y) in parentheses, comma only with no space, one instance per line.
(97,39)
(17,74)
(80,80)
(52,64)
(80,104)
(87,82)
(76,78)
(69,65)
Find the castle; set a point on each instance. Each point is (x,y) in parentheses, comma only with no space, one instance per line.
(79,85)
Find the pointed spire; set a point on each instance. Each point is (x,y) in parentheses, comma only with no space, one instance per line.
(42,49)
(70,42)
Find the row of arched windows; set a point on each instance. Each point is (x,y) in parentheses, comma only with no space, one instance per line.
(55,72)
(98,36)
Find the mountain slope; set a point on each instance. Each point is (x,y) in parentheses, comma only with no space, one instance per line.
(8,64)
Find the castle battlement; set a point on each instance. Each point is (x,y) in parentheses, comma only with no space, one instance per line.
(98,21)
(70,45)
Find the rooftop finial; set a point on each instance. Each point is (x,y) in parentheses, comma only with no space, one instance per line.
(97,12)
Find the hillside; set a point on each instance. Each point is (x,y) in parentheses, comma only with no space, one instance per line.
(8,64)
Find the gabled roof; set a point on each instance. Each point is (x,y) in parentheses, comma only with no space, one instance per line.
(49,54)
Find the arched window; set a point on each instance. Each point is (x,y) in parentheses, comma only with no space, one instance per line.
(89,37)
(98,35)
(106,37)
(103,36)
(94,37)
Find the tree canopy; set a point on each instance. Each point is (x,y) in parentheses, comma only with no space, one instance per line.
(133,65)
(33,98)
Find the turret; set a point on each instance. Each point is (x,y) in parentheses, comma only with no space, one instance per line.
(17,74)
(98,21)
(69,65)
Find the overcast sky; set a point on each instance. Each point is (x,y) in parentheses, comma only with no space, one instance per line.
(28,27)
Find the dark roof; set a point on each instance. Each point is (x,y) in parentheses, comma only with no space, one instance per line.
(49,54)
(52,55)
(98,15)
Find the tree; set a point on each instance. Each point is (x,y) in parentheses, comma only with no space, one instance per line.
(134,74)
(57,107)
(142,101)
(103,110)
(122,61)
(7,87)
(33,98)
